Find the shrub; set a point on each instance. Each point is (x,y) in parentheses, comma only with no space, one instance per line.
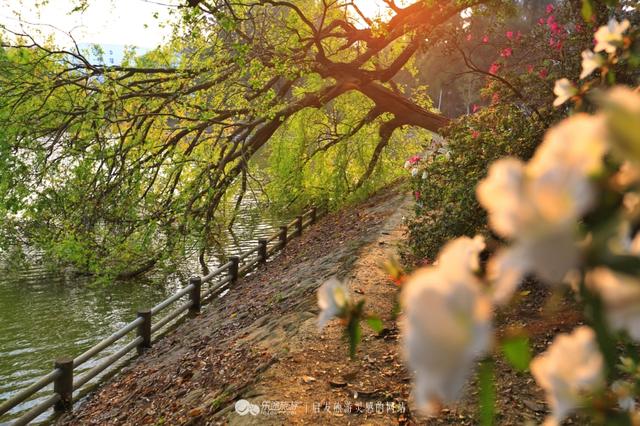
(445,197)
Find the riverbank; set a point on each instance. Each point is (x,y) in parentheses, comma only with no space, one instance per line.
(196,374)
(261,344)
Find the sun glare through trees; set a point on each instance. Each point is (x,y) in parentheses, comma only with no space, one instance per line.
(319,212)
(380,10)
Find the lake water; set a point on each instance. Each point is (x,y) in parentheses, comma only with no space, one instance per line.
(46,314)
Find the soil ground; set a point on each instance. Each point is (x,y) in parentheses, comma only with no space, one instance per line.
(260,343)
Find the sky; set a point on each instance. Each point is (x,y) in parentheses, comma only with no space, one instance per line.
(113,21)
(378,8)
(104,22)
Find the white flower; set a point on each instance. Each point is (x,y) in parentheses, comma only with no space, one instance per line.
(562,166)
(447,323)
(622,110)
(564,90)
(414,172)
(551,255)
(626,175)
(620,292)
(459,258)
(590,62)
(333,299)
(631,203)
(407,164)
(621,296)
(505,271)
(524,200)
(568,371)
(624,392)
(576,145)
(538,205)
(425,175)
(501,194)
(609,37)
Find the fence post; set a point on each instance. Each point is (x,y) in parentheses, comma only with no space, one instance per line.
(299,226)
(314,214)
(233,269)
(63,385)
(283,237)
(144,330)
(262,250)
(195,295)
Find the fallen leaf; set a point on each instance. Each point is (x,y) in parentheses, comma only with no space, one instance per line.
(195,412)
(532,405)
(308,379)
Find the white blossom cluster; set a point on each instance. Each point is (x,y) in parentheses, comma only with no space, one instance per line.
(538,207)
(609,39)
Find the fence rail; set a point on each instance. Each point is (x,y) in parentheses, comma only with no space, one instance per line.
(62,376)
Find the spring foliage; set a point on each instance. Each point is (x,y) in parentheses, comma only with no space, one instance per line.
(116,168)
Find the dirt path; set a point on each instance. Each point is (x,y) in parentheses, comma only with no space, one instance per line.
(261,345)
(317,383)
(195,375)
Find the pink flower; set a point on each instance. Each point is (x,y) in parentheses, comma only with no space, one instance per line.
(509,35)
(417,195)
(485,39)
(475,108)
(413,160)
(506,52)
(552,42)
(529,68)
(494,68)
(543,73)
(549,8)
(469,37)
(475,134)
(541,21)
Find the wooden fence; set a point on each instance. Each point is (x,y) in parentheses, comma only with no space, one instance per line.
(220,280)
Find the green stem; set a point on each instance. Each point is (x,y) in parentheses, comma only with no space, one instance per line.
(487,393)
(595,313)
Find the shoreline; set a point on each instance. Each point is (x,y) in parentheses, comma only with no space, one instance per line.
(189,375)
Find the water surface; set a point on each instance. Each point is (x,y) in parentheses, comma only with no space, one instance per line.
(46,314)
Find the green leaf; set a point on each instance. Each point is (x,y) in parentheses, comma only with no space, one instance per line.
(618,419)
(625,264)
(517,351)
(375,323)
(587,10)
(487,397)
